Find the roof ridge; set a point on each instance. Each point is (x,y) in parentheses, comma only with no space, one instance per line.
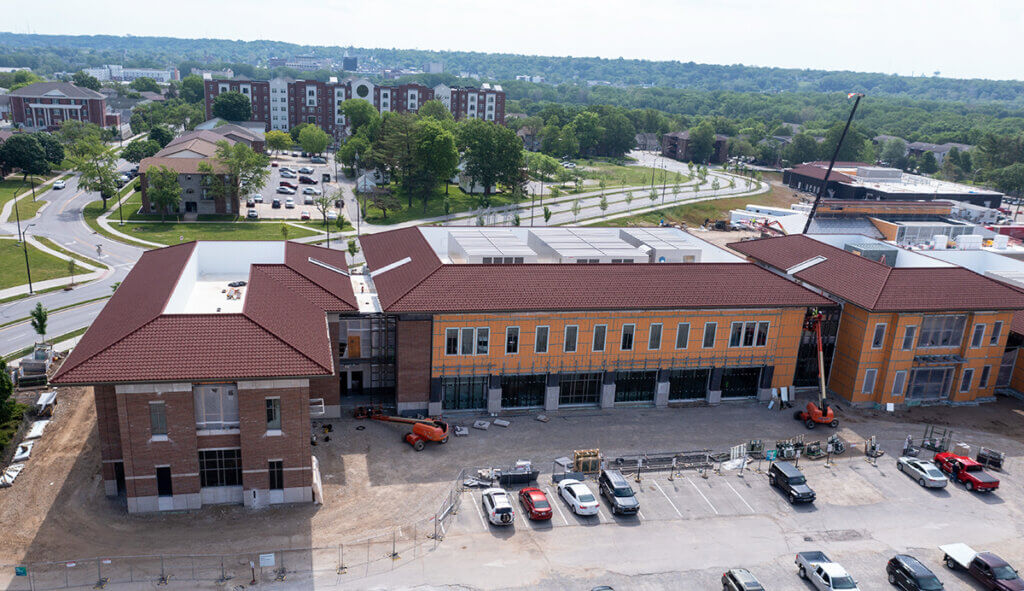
(286,343)
(878,296)
(64,368)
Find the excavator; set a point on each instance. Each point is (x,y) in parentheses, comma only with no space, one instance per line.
(423,430)
(820,413)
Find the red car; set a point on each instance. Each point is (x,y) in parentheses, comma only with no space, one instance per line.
(966,471)
(535,503)
(289,185)
(305,180)
(274,164)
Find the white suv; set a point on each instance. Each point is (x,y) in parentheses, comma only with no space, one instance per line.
(498,507)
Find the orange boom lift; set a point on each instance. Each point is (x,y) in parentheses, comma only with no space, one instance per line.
(423,430)
(821,412)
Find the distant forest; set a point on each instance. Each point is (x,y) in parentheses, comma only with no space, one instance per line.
(52,53)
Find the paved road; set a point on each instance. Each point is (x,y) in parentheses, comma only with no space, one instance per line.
(62,222)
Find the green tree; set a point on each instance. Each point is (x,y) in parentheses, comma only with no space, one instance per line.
(618,135)
(163,189)
(296,130)
(354,150)
(588,131)
(353,248)
(235,170)
(359,113)
(555,192)
(853,144)
(576,209)
(629,200)
(397,147)
(927,164)
(74,134)
(542,167)
(715,185)
(702,142)
(314,140)
(7,403)
(653,195)
(324,203)
(493,154)
(24,151)
(136,150)
(71,269)
(803,148)
(53,150)
(436,110)
(39,317)
(161,135)
(435,157)
(547,214)
(893,151)
(192,90)
(284,232)
(96,168)
(603,204)
(232,106)
(278,140)
(80,78)
(1009,179)
(384,202)
(145,84)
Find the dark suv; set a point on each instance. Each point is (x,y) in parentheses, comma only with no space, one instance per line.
(616,489)
(907,573)
(790,480)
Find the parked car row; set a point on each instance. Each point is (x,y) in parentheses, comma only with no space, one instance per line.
(574,493)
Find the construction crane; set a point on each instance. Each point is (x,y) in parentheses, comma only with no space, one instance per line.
(423,430)
(820,413)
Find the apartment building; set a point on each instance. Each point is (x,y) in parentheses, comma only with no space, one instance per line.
(122,74)
(45,105)
(283,103)
(207,365)
(676,145)
(913,329)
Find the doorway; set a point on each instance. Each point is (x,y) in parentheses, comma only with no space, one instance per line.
(163,482)
(119,478)
(356,381)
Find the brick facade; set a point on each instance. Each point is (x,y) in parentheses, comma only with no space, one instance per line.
(413,365)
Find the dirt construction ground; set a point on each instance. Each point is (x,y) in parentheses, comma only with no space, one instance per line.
(372,481)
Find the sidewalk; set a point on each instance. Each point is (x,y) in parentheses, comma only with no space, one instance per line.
(8,209)
(94,272)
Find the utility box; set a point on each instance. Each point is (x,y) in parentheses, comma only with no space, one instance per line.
(872,250)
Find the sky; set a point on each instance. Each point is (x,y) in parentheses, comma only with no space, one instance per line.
(975,39)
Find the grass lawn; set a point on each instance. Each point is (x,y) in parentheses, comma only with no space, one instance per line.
(318,224)
(173,233)
(694,214)
(615,175)
(8,429)
(13,185)
(459,202)
(12,265)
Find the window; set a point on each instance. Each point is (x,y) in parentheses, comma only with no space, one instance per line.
(512,340)
(220,467)
(997,331)
(627,337)
(216,406)
(736,334)
(600,332)
(157,419)
(983,380)
(899,382)
(540,344)
(467,341)
(451,341)
(942,331)
(635,386)
(523,391)
(966,379)
(464,393)
(579,388)
(682,335)
(709,334)
(879,338)
(869,381)
(483,339)
(276,472)
(930,383)
(978,336)
(273,414)
(908,337)
(654,339)
(762,334)
(748,334)
(570,339)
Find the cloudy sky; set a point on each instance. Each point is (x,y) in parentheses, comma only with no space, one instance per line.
(979,38)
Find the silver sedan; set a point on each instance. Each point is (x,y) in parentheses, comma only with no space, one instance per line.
(923,471)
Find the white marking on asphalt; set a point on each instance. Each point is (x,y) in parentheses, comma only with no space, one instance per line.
(641,514)
(479,513)
(702,496)
(553,501)
(601,516)
(740,496)
(658,486)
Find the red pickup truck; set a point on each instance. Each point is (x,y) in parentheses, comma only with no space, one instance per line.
(966,471)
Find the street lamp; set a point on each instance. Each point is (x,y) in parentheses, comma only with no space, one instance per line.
(17,216)
(24,247)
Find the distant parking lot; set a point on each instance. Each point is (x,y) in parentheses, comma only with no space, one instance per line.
(303,202)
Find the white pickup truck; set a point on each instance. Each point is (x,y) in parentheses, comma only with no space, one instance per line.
(823,573)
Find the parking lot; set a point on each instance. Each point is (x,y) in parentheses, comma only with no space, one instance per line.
(690,528)
(269,192)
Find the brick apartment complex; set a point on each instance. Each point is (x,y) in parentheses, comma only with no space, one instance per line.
(203,391)
(912,330)
(283,103)
(676,145)
(45,105)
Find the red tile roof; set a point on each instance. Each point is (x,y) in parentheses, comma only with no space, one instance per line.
(478,288)
(281,331)
(385,248)
(875,286)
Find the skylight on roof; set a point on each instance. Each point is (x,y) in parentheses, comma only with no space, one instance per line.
(806,264)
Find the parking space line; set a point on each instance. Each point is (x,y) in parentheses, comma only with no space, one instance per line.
(702,496)
(658,486)
(601,516)
(740,496)
(479,512)
(641,515)
(554,501)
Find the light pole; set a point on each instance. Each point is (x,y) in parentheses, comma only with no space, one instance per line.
(24,247)
(17,216)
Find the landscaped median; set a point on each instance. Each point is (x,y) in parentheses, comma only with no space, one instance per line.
(27,207)
(12,264)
